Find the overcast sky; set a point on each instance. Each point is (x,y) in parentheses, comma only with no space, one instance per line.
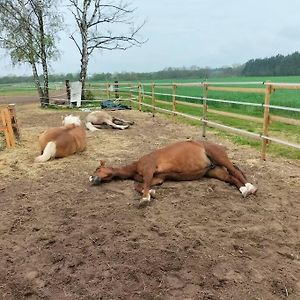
(210,33)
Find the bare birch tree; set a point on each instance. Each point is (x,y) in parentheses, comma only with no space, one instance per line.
(27,31)
(101,26)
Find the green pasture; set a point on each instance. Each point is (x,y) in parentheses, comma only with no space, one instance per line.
(25,89)
(17,90)
(288,98)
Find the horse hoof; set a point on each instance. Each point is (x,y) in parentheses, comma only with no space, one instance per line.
(244,191)
(251,188)
(152,193)
(144,202)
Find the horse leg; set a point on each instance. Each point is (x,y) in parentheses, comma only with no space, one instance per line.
(147,174)
(91,126)
(122,122)
(112,124)
(218,155)
(223,175)
(139,186)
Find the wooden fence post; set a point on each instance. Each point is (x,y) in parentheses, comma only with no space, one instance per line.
(116,87)
(7,127)
(174,100)
(153,98)
(266,120)
(204,112)
(140,97)
(107,90)
(130,94)
(14,122)
(68,90)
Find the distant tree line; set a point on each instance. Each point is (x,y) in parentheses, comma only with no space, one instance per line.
(11,79)
(167,73)
(278,65)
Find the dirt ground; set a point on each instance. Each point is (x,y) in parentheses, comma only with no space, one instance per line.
(63,239)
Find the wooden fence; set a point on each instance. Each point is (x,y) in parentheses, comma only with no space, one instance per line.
(137,95)
(9,125)
(152,99)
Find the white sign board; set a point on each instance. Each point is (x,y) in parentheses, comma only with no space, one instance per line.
(75,93)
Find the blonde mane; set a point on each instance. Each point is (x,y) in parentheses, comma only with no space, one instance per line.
(70,119)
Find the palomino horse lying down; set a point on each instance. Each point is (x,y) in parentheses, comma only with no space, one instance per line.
(62,141)
(188,160)
(96,119)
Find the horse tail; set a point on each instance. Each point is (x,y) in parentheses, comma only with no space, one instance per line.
(49,152)
(90,126)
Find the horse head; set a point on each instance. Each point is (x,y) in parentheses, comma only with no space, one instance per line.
(70,119)
(102,174)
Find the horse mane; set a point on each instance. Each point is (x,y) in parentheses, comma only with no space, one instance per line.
(70,119)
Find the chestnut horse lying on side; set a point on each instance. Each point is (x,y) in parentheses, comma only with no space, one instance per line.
(96,119)
(62,141)
(188,160)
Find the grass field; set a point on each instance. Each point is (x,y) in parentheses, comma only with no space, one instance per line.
(289,98)
(24,89)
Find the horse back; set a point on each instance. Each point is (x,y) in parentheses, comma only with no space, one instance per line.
(69,139)
(98,117)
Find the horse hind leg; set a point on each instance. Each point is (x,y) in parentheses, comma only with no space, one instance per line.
(221,174)
(112,124)
(218,155)
(240,171)
(90,126)
(251,189)
(121,121)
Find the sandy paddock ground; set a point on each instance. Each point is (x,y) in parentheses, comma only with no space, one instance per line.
(63,239)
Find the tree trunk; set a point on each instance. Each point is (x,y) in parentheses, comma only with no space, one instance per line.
(83,74)
(44,59)
(84,51)
(37,83)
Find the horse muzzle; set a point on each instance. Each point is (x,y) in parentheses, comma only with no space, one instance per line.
(95,180)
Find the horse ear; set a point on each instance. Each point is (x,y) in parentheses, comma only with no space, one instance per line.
(102,163)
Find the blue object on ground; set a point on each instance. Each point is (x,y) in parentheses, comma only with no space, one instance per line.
(114,105)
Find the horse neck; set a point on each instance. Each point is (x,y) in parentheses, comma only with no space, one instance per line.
(125,172)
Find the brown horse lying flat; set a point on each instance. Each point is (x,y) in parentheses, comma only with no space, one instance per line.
(188,160)
(62,141)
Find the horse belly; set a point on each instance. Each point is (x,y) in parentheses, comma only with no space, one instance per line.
(186,176)
(189,161)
